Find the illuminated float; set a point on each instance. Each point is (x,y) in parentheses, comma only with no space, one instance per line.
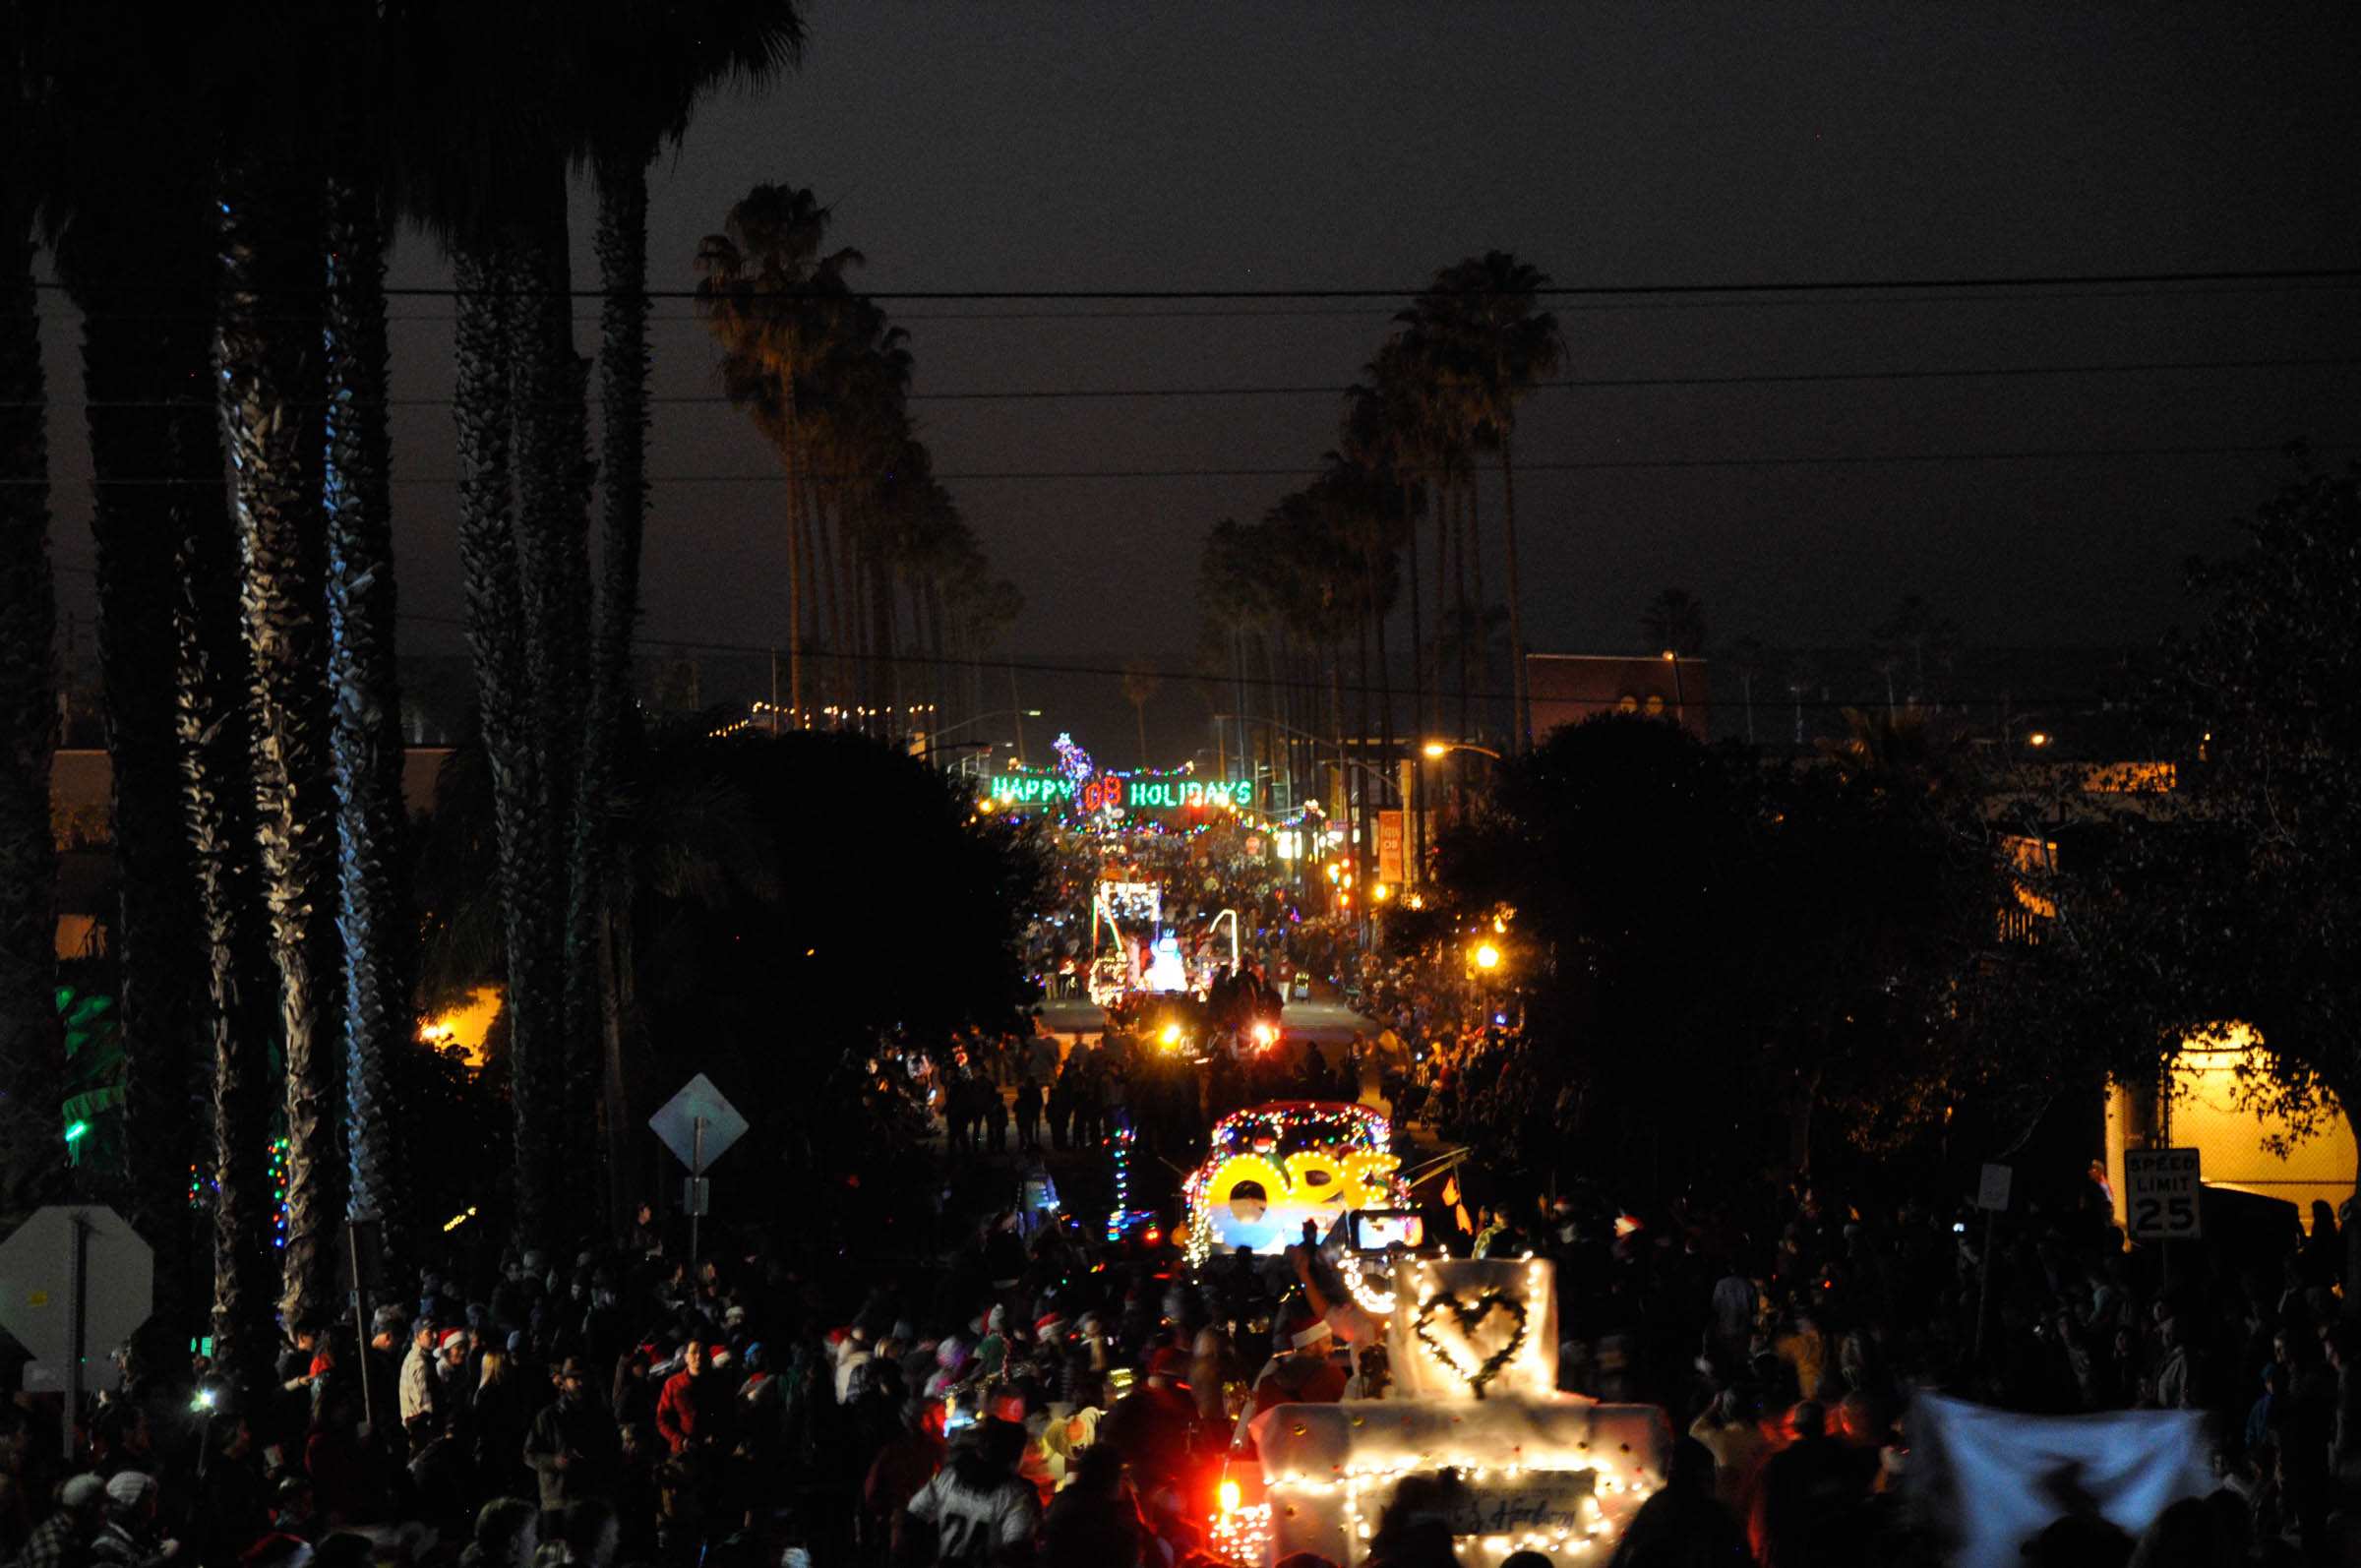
(1472,1346)
(1272,1166)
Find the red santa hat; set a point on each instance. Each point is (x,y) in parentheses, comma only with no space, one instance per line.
(1299,1327)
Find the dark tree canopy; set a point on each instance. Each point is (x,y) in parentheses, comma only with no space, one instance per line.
(1710,950)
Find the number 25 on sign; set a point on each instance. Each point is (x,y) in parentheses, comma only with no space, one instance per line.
(2160,1195)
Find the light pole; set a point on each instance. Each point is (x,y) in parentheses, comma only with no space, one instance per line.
(1437,749)
(933,738)
(1680,708)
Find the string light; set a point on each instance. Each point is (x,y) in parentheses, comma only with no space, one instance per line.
(1241,1535)
(1119,1145)
(1354,1140)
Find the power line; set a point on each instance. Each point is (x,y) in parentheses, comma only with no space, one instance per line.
(1321,682)
(1318,682)
(1767,286)
(1586,466)
(1574,383)
(1383,310)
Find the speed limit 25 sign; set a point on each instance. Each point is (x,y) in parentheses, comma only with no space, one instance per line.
(2161,1191)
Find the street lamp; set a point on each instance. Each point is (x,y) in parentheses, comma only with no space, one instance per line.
(1487,956)
(1680,708)
(1440,749)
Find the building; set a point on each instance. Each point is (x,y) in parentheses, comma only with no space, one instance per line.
(82,783)
(2198,1101)
(1568,688)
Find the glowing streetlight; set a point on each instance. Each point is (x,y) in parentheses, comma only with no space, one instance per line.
(1436,748)
(2040,737)
(1171,1036)
(1487,957)
(1381,892)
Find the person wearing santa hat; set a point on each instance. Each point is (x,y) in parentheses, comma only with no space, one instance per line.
(1301,1370)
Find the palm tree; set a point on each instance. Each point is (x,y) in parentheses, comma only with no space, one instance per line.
(649,66)
(365,734)
(1803,675)
(33,1052)
(1430,396)
(1674,624)
(645,65)
(128,220)
(218,813)
(1916,630)
(771,300)
(1140,685)
(1497,346)
(269,375)
(490,105)
(1747,657)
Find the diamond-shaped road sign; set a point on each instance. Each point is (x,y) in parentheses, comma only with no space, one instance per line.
(699,1125)
(39,1289)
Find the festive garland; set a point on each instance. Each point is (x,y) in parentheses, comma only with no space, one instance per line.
(1469,1314)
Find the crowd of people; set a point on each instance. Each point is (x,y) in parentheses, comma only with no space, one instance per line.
(1019,1392)
(1033,1400)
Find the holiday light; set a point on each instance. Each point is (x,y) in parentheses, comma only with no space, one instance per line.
(1311,1160)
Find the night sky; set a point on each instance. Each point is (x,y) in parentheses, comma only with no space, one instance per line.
(1252,146)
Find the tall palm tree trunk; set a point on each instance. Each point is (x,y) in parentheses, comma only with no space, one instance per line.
(553,573)
(33,1048)
(365,726)
(1385,690)
(1520,718)
(1365,848)
(1238,668)
(268,369)
(881,649)
(1462,616)
(214,728)
(807,628)
(788,458)
(1439,494)
(831,606)
(846,596)
(621,245)
(1417,613)
(495,611)
(134,366)
(931,595)
(1343,796)
(1478,633)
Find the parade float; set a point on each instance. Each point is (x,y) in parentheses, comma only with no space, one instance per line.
(1474,1405)
(1271,1167)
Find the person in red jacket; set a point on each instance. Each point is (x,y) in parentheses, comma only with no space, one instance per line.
(693,1413)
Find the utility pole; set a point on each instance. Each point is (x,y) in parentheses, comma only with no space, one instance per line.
(1017,708)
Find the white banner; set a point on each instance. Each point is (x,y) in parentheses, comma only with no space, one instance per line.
(1992,1480)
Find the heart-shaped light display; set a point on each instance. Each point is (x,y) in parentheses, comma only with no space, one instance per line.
(1470,1316)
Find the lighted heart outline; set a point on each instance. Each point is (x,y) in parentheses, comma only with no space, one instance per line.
(1469,1315)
